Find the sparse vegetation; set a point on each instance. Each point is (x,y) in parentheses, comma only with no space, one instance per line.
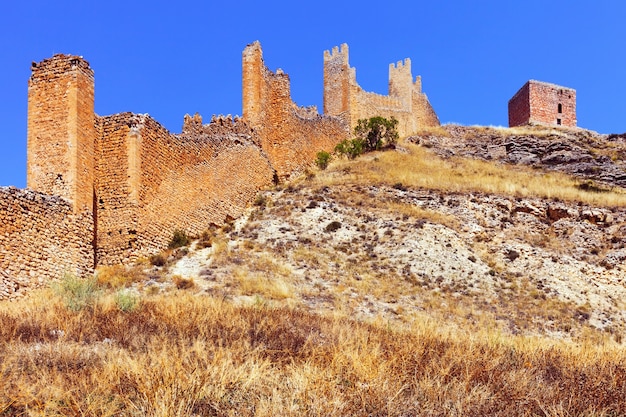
(189,355)
(77,293)
(422,168)
(179,239)
(319,306)
(322,159)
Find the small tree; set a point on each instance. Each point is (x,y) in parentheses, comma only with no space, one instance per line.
(350,147)
(322,159)
(377,132)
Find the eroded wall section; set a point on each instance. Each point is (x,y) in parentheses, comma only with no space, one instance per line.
(290,135)
(151,182)
(344,97)
(41,239)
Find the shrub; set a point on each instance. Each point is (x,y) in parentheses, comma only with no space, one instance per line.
(377,132)
(158,260)
(183,283)
(332,226)
(77,293)
(126,301)
(351,148)
(322,159)
(179,239)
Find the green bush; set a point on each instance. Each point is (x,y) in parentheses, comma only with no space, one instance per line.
(377,132)
(126,301)
(351,148)
(77,293)
(179,239)
(322,159)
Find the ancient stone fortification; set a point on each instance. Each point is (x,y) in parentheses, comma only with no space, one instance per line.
(105,190)
(345,98)
(41,238)
(543,103)
(290,135)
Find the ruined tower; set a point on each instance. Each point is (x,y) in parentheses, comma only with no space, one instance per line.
(543,103)
(343,97)
(61,129)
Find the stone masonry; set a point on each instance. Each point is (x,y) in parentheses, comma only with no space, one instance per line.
(289,135)
(110,189)
(543,103)
(345,98)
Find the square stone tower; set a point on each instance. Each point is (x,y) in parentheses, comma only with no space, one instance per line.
(543,103)
(61,129)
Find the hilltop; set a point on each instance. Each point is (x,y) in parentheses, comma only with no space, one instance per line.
(468,271)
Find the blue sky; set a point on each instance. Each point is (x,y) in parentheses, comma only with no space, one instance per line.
(169,58)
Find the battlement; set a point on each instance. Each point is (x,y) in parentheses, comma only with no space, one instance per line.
(337,53)
(405,101)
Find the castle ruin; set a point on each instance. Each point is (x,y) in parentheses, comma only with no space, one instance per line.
(538,102)
(110,189)
(344,97)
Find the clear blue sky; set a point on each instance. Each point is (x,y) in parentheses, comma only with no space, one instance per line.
(169,58)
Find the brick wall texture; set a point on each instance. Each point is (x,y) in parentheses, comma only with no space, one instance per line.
(107,190)
(41,238)
(543,103)
(289,135)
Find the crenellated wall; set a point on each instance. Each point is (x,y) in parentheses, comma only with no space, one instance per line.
(107,190)
(344,97)
(289,135)
(41,238)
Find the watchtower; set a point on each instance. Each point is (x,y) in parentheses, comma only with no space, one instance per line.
(61,129)
(543,103)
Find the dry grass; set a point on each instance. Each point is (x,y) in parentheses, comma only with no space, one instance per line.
(419,167)
(190,355)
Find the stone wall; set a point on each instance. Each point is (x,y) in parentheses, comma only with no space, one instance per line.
(152,182)
(289,135)
(543,103)
(41,239)
(108,190)
(344,97)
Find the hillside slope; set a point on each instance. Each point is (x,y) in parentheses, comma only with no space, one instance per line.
(364,238)
(410,282)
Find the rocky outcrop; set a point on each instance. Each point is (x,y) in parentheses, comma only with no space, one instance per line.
(579,152)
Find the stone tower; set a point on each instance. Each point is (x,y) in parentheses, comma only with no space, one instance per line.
(61,129)
(543,103)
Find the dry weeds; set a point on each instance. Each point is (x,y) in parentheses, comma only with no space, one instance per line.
(419,167)
(190,355)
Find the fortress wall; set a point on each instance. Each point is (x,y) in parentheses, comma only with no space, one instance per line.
(41,239)
(424,113)
(406,102)
(289,136)
(116,213)
(159,182)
